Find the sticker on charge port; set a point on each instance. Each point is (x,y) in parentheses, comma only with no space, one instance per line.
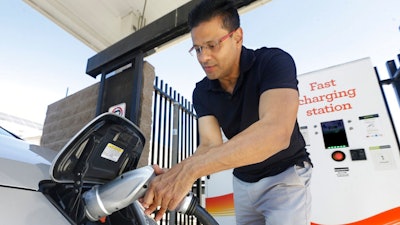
(112,152)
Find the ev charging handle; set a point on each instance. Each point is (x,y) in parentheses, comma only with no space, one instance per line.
(103,200)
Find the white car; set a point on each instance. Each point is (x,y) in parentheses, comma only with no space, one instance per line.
(41,186)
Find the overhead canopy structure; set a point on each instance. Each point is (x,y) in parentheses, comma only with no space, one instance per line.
(117,29)
(101,23)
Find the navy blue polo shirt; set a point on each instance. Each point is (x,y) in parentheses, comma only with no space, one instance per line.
(260,70)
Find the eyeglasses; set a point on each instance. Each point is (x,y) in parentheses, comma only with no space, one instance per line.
(213,46)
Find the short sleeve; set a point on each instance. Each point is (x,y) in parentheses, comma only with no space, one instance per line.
(278,71)
(200,100)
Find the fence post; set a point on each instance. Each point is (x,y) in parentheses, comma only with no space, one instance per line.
(175,146)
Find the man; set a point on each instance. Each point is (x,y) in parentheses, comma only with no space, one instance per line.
(252,95)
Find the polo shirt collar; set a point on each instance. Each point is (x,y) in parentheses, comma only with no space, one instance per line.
(247,58)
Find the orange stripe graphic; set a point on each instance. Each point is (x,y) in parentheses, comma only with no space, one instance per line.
(221,205)
(390,217)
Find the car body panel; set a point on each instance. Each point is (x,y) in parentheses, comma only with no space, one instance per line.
(21,164)
(28,207)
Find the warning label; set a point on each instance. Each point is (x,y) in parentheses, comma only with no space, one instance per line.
(112,152)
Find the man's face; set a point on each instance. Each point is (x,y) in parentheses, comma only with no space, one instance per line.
(217,50)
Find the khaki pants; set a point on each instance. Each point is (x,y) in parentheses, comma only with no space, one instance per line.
(283,199)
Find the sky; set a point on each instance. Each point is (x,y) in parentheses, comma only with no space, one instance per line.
(41,63)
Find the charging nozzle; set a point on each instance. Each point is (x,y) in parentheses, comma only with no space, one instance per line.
(190,206)
(103,200)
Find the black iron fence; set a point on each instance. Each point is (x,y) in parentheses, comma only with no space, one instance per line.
(173,138)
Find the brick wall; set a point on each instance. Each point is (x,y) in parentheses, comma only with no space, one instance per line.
(67,116)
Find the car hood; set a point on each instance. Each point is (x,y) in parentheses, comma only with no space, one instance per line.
(23,165)
(105,148)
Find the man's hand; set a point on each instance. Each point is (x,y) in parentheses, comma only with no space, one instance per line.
(167,190)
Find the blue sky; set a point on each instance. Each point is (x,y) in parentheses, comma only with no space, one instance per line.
(40,61)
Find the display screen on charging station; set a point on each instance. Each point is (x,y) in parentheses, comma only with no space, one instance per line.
(334,134)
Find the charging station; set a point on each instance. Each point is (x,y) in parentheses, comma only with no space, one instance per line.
(352,144)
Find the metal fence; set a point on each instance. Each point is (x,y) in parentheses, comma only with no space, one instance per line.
(173,138)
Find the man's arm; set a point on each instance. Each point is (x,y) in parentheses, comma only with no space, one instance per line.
(209,134)
(271,134)
(176,178)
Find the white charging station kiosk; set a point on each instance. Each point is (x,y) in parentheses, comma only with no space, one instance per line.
(353,146)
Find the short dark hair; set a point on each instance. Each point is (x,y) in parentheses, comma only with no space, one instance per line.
(208,9)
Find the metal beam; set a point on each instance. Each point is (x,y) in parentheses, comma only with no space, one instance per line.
(167,28)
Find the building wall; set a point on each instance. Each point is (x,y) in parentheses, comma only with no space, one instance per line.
(67,116)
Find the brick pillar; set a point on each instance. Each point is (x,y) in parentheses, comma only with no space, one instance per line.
(146,115)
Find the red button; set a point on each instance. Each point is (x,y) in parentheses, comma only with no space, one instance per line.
(338,156)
